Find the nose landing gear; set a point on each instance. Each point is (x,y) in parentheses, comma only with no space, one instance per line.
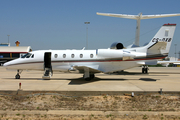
(18,74)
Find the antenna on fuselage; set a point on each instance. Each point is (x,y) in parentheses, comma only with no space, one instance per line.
(138,18)
(83,48)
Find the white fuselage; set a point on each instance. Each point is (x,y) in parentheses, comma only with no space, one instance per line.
(103,60)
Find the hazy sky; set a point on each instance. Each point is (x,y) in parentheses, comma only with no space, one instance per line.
(59,24)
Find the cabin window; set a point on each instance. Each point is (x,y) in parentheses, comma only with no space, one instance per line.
(26,55)
(56,55)
(64,55)
(91,55)
(81,55)
(72,55)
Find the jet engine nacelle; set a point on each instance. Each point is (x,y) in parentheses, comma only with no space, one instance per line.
(117,45)
(110,53)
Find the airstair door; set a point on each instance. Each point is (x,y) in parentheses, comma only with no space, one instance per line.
(47,60)
(47,66)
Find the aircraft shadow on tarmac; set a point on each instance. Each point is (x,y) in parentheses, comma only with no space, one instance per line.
(139,73)
(164,72)
(35,79)
(23,79)
(126,73)
(79,81)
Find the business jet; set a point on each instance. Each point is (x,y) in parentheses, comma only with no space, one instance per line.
(90,62)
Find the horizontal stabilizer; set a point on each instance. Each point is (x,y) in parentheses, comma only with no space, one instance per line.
(140,16)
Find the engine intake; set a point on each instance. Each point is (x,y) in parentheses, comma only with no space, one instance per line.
(117,45)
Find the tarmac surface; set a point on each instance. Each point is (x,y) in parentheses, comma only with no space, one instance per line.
(167,78)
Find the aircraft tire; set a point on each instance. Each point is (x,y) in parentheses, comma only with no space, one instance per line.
(146,70)
(143,70)
(88,79)
(92,76)
(17,76)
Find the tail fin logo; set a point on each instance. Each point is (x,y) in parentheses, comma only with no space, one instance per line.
(161,40)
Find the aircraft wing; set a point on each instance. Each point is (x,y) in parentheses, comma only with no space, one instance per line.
(163,62)
(92,68)
(152,62)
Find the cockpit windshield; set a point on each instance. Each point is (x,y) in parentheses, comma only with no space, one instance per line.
(28,55)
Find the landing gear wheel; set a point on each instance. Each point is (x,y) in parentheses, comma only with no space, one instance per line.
(142,70)
(88,79)
(17,76)
(92,76)
(145,69)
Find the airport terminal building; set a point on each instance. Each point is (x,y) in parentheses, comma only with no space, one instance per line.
(8,53)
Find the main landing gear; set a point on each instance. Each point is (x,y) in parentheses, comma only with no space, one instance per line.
(145,69)
(91,76)
(18,74)
(87,75)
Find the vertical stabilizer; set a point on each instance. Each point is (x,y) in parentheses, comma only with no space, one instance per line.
(161,42)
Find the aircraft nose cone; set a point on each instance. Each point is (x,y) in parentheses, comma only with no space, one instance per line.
(8,65)
(5,64)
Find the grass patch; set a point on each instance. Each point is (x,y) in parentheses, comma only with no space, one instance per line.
(18,114)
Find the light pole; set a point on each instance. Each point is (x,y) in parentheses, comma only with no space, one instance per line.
(86,33)
(175,51)
(8,38)
(179,54)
